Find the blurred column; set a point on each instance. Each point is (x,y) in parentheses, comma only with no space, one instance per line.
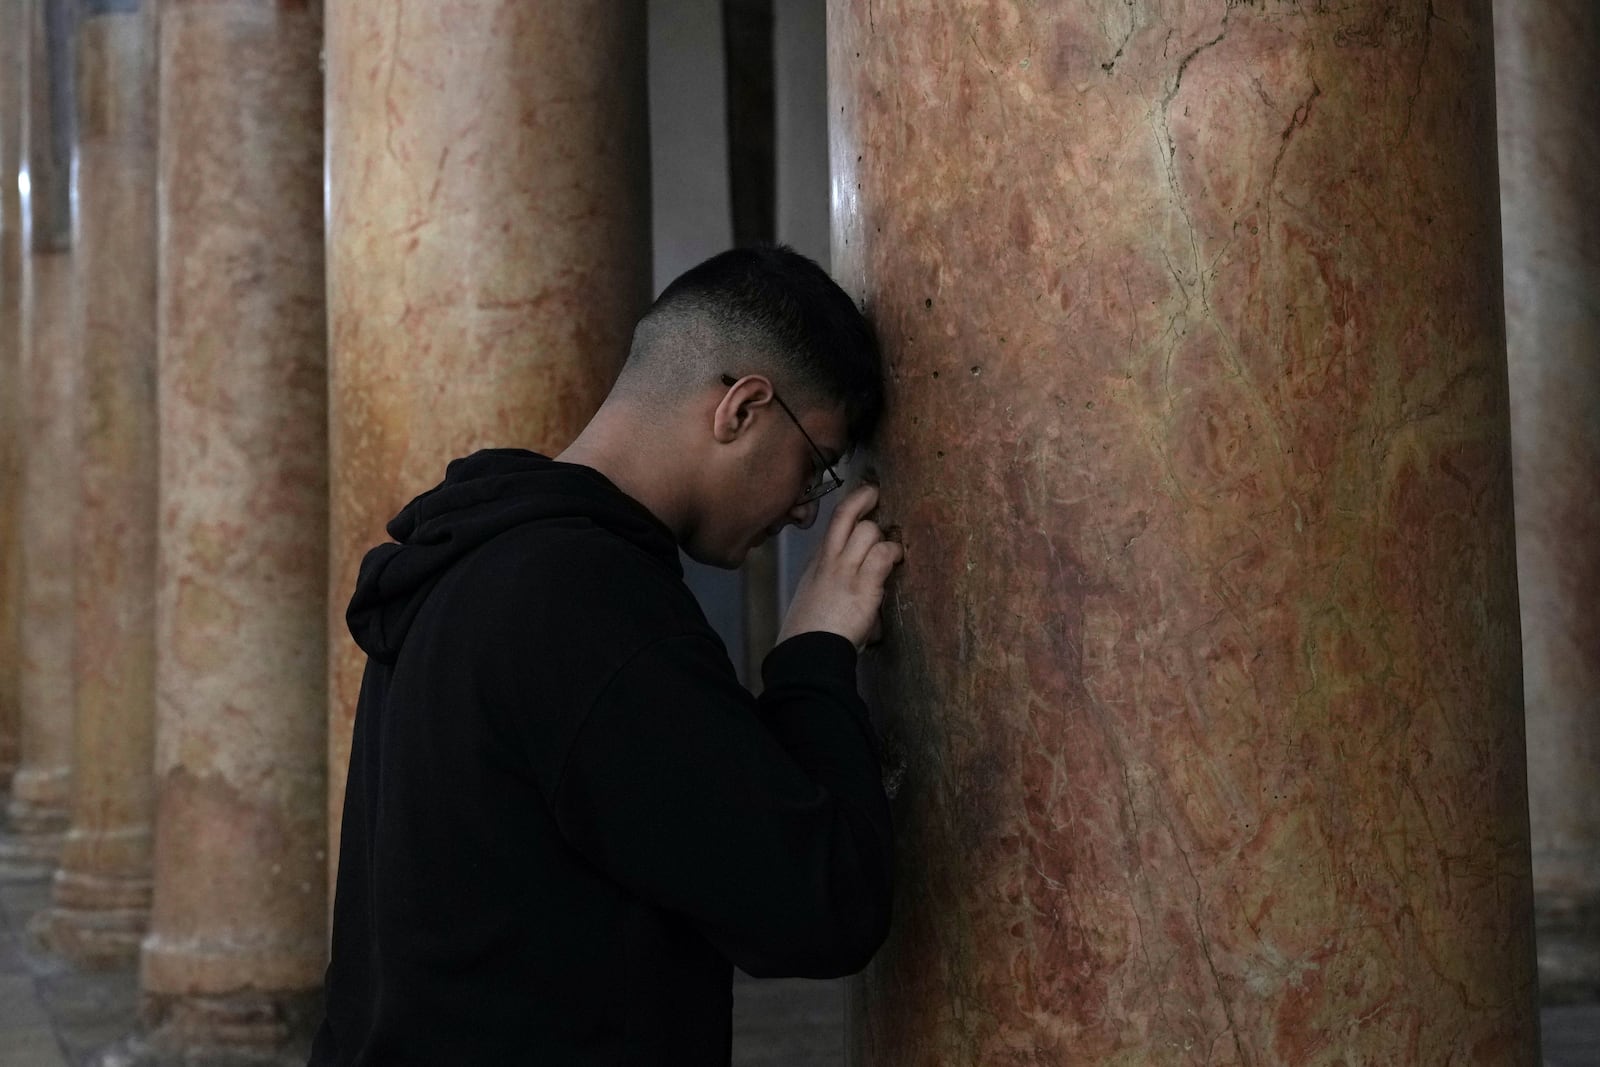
(237,936)
(691,215)
(748,48)
(800,105)
(1203,666)
(488,251)
(41,788)
(1548,55)
(13,76)
(102,888)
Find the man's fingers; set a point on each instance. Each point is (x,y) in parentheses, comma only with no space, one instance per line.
(852,509)
(882,558)
(866,534)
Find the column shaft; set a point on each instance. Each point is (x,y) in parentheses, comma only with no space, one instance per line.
(102,888)
(41,788)
(488,251)
(13,76)
(1549,93)
(237,928)
(1203,664)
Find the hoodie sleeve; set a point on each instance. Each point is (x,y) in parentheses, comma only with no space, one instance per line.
(764,823)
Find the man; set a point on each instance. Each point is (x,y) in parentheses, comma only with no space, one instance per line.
(565,819)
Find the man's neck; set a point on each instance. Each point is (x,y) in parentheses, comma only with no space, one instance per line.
(613,444)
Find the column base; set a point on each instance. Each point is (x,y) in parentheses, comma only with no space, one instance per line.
(37,817)
(92,940)
(40,793)
(149,1051)
(41,801)
(233,1029)
(29,856)
(96,921)
(1568,930)
(201,971)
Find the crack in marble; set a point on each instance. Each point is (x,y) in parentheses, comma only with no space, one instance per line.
(1111,63)
(1297,121)
(1422,64)
(392,111)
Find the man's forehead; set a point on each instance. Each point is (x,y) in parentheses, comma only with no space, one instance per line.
(830,429)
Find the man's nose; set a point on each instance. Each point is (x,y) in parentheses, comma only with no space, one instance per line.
(803,515)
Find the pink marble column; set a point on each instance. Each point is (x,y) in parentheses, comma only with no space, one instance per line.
(488,252)
(13,76)
(41,787)
(102,888)
(1549,94)
(237,926)
(1203,665)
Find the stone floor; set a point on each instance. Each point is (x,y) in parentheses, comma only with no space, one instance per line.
(52,1016)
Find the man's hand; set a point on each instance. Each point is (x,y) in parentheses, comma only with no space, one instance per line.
(842,587)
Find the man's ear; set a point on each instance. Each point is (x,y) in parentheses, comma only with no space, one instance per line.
(733,412)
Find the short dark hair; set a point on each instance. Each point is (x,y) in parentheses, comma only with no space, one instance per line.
(772,299)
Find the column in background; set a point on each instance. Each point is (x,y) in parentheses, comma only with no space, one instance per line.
(13,77)
(1549,96)
(51,353)
(800,92)
(691,217)
(102,889)
(489,251)
(237,941)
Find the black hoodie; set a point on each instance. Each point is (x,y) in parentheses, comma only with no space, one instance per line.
(565,818)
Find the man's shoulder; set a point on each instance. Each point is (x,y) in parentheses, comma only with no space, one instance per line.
(575,573)
(545,616)
(575,547)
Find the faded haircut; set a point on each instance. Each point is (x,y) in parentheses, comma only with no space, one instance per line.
(764,309)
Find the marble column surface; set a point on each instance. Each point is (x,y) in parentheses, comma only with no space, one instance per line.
(1549,94)
(41,788)
(237,928)
(1202,670)
(488,252)
(13,74)
(102,888)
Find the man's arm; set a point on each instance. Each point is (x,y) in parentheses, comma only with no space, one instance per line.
(763,824)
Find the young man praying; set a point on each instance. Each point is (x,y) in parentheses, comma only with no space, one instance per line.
(566,820)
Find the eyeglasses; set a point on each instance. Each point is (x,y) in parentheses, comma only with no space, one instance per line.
(826,480)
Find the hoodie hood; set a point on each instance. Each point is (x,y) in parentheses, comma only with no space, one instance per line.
(482,496)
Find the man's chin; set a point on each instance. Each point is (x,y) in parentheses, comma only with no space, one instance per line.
(749,547)
(724,560)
